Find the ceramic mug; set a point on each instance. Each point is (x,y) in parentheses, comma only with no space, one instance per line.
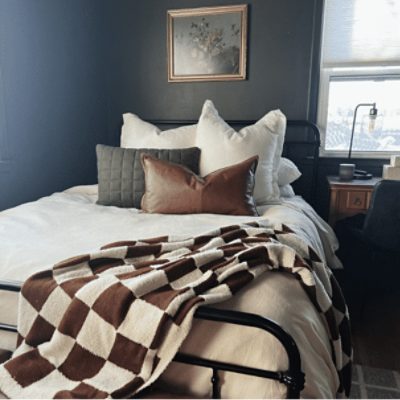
(346,171)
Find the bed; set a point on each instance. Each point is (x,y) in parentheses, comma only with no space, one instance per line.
(30,242)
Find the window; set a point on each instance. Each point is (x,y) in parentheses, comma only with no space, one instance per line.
(345,90)
(360,63)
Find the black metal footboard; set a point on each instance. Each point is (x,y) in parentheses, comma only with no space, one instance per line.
(293,378)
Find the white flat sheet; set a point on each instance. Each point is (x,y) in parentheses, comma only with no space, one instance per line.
(35,235)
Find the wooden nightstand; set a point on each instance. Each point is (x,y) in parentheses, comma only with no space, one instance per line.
(349,198)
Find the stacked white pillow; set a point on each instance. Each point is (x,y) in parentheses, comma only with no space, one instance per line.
(286,191)
(222,146)
(287,172)
(139,134)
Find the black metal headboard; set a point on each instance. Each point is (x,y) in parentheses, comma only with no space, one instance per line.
(302,142)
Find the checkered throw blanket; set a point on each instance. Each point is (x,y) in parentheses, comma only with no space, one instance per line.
(108,324)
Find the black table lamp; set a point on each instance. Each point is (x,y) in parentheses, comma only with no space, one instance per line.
(373,112)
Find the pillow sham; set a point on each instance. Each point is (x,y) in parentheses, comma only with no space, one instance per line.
(287,172)
(121,176)
(287,191)
(137,134)
(174,189)
(222,146)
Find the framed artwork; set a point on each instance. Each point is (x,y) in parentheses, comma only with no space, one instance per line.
(207,44)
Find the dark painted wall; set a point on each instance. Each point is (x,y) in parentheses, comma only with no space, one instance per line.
(52,58)
(282,63)
(283,70)
(71,68)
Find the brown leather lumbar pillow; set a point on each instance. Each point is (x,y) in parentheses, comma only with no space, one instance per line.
(173,189)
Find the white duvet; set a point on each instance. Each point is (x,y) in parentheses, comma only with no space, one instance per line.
(35,235)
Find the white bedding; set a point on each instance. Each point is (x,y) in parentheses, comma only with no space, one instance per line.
(70,223)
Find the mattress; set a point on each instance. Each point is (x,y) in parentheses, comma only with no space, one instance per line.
(35,235)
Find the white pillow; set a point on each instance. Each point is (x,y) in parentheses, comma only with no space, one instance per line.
(137,134)
(287,172)
(222,146)
(286,191)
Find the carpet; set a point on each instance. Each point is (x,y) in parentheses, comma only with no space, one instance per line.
(375,383)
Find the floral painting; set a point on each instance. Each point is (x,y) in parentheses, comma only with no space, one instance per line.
(207,43)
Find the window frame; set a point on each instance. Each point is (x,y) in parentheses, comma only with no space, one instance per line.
(351,73)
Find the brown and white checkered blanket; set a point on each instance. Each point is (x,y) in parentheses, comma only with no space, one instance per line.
(107,324)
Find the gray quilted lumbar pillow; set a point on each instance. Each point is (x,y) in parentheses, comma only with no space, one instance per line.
(120,172)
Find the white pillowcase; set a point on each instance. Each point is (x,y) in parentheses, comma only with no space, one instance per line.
(222,146)
(137,134)
(287,172)
(286,191)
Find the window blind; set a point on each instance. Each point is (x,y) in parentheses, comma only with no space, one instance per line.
(361,33)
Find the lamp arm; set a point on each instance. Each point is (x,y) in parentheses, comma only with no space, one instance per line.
(354,122)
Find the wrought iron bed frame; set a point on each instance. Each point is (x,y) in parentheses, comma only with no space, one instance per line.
(293,377)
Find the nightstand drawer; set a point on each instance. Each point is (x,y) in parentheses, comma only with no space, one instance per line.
(354,200)
(349,198)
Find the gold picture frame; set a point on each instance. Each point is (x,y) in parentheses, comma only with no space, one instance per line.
(207,43)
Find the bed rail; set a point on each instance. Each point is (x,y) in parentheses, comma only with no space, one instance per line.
(293,377)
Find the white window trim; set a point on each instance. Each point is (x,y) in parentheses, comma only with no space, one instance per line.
(360,72)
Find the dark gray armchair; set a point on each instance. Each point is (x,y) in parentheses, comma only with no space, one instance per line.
(381,227)
(370,245)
